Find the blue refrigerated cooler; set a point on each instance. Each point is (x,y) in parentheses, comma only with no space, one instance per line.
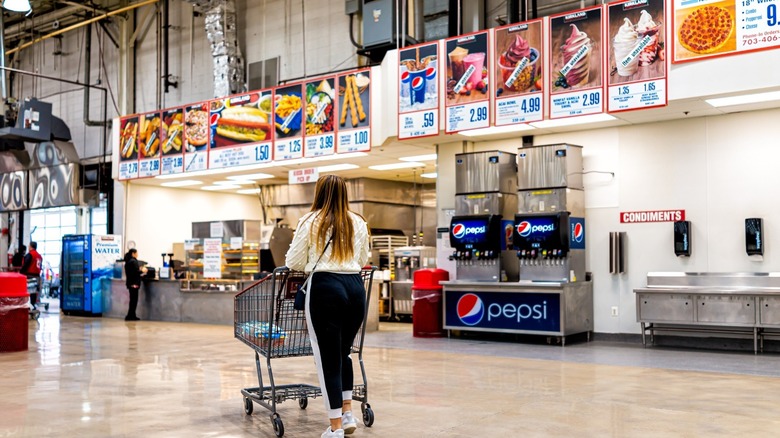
(86,271)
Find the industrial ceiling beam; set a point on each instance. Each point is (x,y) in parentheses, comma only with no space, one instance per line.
(82,24)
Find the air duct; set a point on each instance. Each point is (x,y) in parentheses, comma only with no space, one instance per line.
(222,32)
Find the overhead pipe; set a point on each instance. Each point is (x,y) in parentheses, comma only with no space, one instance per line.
(454,20)
(513,11)
(23,28)
(419,20)
(2,58)
(82,24)
(87,68)
(166,58)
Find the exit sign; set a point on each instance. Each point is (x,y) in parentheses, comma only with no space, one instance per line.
(304,176)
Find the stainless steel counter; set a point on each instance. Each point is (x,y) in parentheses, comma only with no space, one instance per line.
(724,303)
(543,308)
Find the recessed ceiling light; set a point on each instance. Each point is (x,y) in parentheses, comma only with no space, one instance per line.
(592,118)
(221,187)
(249,191)
(337,167)
(404,165)
(496,130)
(251,176)
(182,183)
(428,157)
(429,175)
(240,182)
(744,99)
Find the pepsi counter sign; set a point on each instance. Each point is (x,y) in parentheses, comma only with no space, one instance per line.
(538,312)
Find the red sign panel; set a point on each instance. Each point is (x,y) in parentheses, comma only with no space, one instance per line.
(634,217)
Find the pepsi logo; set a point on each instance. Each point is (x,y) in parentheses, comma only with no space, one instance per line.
(470,309)
(579,232)
(524,228)
(430,72)
(405,76)
(213,119)
(459,231)
(417,83)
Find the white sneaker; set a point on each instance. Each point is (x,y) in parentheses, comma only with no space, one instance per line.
(348,422)
(338,433)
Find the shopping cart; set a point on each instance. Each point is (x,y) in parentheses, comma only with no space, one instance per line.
(266,321)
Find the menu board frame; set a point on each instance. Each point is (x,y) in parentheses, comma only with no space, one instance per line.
(649,81)
(234,148)
(173,159)
(352,111)
(149,140)
(576,95)
(423,121)
(531,99)
(740,14)
(323,142)
(128,137)
(453,110)
(199,152)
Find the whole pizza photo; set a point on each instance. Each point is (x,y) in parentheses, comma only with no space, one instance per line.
(704,30)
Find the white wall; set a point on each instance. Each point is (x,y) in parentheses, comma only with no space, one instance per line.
(720,170)
(157,217)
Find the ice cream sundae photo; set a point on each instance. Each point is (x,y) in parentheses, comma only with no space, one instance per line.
(635,46)
(576,60)
(518,65)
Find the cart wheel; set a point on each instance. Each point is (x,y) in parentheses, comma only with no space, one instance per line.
(368,417)
(278,426)
(303,402)
(249,407)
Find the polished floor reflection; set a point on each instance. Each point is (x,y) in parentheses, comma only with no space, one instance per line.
(85,377)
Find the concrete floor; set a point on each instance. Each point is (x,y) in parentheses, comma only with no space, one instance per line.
(92,377)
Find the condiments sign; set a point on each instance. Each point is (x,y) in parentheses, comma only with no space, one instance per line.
(633,217)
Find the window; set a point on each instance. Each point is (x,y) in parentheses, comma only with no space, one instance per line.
(98,219)
(47,227)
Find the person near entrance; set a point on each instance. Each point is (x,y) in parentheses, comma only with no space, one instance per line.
(335,240)
(18,259)
(31,268)
(133,272)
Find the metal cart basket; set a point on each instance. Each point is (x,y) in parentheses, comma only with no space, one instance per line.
(266,321)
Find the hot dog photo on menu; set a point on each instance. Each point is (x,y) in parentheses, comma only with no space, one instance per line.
(241,119)
(128,148)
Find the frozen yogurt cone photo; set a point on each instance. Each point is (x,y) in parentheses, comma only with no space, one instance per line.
(646,27)
(623,44)
(576,59)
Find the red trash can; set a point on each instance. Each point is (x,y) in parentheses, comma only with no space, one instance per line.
(426,303)
(14,309)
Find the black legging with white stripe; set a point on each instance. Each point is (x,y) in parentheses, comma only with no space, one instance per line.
(335,306)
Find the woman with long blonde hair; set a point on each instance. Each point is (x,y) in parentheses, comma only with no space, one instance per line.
(335,240)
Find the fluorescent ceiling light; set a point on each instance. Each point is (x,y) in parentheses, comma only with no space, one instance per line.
(337,167)
(234,182)
(221,187)
(404,165)
(496,130)
(182,183)
(339,156)
(251,176)
(744,99)
(17,5)
(428,157)
(429,175)
(592,118)
(196,173)
(249,191)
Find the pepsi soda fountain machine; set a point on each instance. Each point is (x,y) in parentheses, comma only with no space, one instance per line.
(549,228)
(481,229)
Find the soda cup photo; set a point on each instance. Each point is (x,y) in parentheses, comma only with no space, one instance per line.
(417,86)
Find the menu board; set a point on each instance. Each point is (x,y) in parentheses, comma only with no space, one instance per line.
(288,117)
(733,27)
(196,137)
(171,139)
(240,130)
(576,63)
(467,101)
(518,76)
(320,136)
(354,112)
(149,145)
(637,59)
(128,148)
(418,94)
